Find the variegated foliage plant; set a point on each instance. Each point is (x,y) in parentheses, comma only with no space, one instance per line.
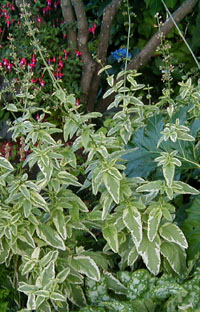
(42,216)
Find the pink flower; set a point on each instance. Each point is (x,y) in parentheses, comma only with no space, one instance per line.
(34,80)
(42,82)
(60,64)
(9,67)
(5,62)
(66,54)
(77,53)
(92,29)
(22,62)
(58,75)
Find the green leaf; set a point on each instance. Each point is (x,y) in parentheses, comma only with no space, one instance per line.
(12,107)
(27,206)
(185,136)
(62,275)
(85,137)
(61,95)
(113,186)
(31,304)
(115,173)
(57,296)
(25,192)
(150,186)
(172,233)
(59,222)
(71,100)
(168,173)
(87,266)
(96,179)
(185,188)
(44,136)
(4,163)
(70,128)
(175,255)
(109,92)
(107,202)
(67,178)
(110,80)
(114,284)
(132,256)
(27,288)
(154,218)
(27,267)
(50,236)
(111,236)
(48,274)
(27,238)
(104,68)
(150,253)
(132,220)
(77,296)
(38,200)
(50,256)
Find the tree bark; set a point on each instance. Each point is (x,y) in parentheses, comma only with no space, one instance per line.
(144,56)
(69,18)
(108,16)
(82,39)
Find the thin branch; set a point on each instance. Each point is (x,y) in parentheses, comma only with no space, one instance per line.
(104,37)
(68,14)
(88,62)
(144,56)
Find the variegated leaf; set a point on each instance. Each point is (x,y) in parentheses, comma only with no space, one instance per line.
(114,284)
(4,163)
(172,233)
(112,185)
(132,256)
(111,236)
(175,255)
(132,220)
(153,223)
(87,266)
(48,274)
(59,222)
(50,236)
(168,172)
(150,186)
(150,253)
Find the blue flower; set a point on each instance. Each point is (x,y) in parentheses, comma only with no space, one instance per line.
(120,53)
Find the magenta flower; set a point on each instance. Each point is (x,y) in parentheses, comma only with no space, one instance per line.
(42,82)
(34,80)
(93,29)
(77,53)
(66,54)
(22,62)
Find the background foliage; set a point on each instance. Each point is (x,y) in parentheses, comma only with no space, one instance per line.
(98,213)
